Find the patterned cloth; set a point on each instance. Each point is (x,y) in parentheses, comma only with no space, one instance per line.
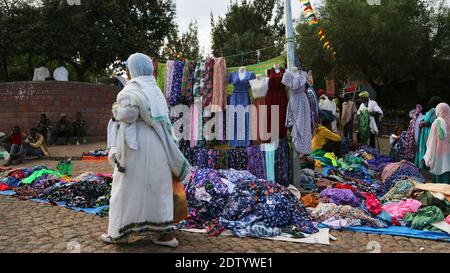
(253,202)
(237,159)
(325,211)
(314,105)
(364,126)
(339,197)
(402,190)
(175,94)
(187,83)
(299,112)
(199,81)
(207,88)
(256,161)
(406,171)
(170,66)
(88,193)
(410,145)
(282,160)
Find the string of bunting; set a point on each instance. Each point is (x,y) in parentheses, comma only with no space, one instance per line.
(313,21)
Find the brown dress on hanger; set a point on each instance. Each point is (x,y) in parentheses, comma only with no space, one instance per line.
(258,114)
(277,95)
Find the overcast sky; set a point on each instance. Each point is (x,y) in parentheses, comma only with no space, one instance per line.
(200,10)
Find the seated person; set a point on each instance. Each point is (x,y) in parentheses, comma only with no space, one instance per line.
(324,139)
(44,127)
(78,126)
(33,145)
(13,141)
(62,129)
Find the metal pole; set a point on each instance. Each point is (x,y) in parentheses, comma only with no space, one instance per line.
(290,45)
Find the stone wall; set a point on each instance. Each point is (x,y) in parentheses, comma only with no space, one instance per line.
(22,102)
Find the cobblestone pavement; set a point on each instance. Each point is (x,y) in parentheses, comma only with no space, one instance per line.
(29,226)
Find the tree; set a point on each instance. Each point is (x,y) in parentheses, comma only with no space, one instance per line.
(394,42)
(246,27)
(105,30)
(187,46)
(89,36)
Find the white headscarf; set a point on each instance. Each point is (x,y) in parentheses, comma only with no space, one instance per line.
(153,110)
(139,64)
(143,84)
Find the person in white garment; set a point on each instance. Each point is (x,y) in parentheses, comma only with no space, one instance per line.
(370,111)
(145,159)
(61,74)
(325,103)
(41,73)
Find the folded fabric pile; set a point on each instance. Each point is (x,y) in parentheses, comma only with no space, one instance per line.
(97,153)
(368,188)
(88,190)
(239,201)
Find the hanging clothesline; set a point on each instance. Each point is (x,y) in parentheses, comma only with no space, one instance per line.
(250,52)
(242,53)
(257,68)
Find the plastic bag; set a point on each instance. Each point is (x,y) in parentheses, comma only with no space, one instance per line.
(65,167)
(180,206)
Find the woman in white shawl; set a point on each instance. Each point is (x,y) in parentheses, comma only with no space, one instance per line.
(145,158)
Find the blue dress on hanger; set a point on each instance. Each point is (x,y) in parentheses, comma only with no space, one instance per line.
(239,134)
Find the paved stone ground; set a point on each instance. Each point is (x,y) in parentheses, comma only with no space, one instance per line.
(29,226)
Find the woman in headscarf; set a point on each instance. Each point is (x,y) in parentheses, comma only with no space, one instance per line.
(145,158)
(425,127)
(437,156)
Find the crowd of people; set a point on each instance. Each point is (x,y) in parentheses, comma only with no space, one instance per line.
(20,145)
(425,142)
(329,138)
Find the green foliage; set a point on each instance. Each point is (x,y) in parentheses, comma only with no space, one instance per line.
(399,40)
(187,46)
(248,26)
(89,37)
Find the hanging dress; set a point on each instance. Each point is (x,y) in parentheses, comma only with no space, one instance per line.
(187,83)
(299,112)
(410,145)
(175,94)
(258,117)
(219,96)
(277,95)
(207,88)
(170,66)
(314,105)
(238,126)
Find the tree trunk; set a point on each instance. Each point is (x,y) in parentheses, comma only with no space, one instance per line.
(81,73)
(30,66)
(5,70)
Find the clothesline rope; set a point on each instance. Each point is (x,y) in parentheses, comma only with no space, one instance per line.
(242,54)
